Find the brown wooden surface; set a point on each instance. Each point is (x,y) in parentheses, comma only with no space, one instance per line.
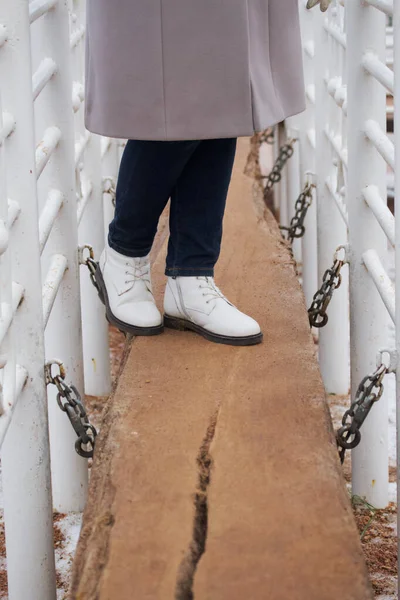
(274,514)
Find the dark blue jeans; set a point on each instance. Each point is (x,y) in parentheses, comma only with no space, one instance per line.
(195,175)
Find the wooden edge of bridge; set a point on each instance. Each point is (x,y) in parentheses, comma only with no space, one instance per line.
(216,474)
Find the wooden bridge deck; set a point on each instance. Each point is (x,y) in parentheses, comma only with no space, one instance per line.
(216,474)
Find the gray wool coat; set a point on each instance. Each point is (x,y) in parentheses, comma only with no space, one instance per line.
(191,69)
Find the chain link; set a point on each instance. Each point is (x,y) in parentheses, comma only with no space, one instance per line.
(109,187)
(90,262)
(70,402)
(303,203)
(285,152)
(267,136)
(331,280)
(369,392)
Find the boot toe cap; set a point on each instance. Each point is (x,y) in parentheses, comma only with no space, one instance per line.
(240,325)
(140,314)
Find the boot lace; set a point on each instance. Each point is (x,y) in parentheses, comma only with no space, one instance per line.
(137,272)
(212,289)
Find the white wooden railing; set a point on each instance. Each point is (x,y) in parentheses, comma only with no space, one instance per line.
(53,179)
(352,73)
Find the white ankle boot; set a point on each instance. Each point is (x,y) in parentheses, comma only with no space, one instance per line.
(196,303)
(125,289)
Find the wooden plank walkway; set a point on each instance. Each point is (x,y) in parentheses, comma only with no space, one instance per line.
(216,474)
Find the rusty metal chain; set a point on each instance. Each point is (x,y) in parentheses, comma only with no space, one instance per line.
(267,136)
(369,392)
(321,300)
(89,262)
(252,168)
(70,402)
(296,228)
(109,187)
(285,152)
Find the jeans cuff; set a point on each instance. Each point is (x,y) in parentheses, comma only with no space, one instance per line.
(189,272)
(127,252)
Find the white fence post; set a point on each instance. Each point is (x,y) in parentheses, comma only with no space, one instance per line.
(90,223)
(332,232)
(110,161)
(396,29)
(53,108)
(366,100)
(294,186)
(306,133)
(94,324)
(282,187)
(25,451)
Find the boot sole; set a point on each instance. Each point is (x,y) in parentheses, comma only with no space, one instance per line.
(184,325)
(113,320)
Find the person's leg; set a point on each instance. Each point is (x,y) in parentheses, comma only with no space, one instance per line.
(192,300)
(148,173)
(197,209)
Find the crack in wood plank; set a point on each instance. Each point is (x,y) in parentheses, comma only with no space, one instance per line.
(197,547)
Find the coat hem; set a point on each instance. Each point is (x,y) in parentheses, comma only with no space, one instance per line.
(105,132)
